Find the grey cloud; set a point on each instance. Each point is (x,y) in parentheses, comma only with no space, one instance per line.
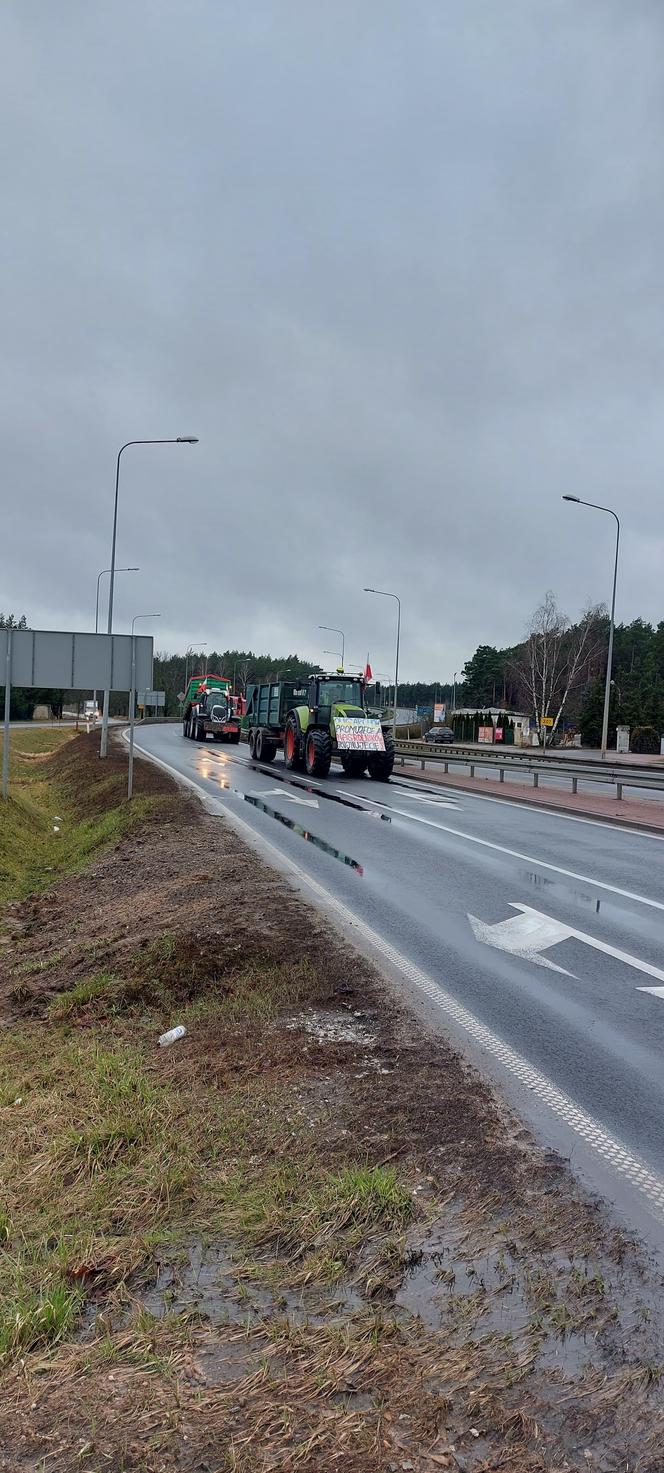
(399,267)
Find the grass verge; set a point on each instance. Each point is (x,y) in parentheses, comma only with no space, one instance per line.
(52,823)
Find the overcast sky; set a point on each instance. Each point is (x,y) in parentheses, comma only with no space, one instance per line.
(398,263)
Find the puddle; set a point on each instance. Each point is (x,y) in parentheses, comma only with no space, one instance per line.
(334,1027)
(297,828)
(480,1296)
(203,1280)
(304,787)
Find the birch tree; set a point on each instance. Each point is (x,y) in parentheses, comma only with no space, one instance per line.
(556,658)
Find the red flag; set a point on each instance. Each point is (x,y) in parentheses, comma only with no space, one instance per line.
(367,671)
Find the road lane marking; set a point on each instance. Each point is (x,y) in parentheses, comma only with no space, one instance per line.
(542,809)
(531,932)
(435,802)
(608,1148)
(287,797)
(558,869)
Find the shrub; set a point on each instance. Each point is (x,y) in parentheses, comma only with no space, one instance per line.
(645,739)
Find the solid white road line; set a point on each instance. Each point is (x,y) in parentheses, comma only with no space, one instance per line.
(541,810)
(570,874)
(610,1151)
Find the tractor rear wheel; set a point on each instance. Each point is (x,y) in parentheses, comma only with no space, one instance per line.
(353,765)
(318,752)
(292,757)
(381,763)
(265,749)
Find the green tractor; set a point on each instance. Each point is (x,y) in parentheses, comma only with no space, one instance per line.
(315,721)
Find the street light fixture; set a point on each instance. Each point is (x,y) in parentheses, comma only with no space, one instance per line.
(609,660)
(382,594)
(179,440)
(190,650)
(99,578)
(132,700)
(331,630)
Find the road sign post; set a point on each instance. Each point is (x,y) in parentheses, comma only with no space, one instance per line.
(8,698)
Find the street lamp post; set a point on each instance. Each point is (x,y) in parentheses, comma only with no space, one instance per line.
(99,578)
(191,651)
(331,630)
(132,700)
(609,660)
(178,440)
(454,694)
(383,594)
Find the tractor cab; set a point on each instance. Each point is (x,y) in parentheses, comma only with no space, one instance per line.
(327,692)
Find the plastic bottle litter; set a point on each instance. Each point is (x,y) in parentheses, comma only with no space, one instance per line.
(172,1035)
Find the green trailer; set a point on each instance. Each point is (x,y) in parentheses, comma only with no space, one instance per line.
(313,721)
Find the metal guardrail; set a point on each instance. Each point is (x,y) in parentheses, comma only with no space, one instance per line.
(528,761)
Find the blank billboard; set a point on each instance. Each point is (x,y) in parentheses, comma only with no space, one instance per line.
(61,660)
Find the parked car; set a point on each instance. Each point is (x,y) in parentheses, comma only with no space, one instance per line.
(440,736)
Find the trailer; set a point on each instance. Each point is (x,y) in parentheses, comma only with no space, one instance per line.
(211,709)
(313,721)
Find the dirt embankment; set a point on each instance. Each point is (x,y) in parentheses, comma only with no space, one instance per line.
(306,1236)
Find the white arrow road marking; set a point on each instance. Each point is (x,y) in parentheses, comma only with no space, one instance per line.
(542,931)
(289,797)
(525,936)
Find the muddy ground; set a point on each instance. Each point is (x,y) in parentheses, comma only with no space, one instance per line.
(372,1266)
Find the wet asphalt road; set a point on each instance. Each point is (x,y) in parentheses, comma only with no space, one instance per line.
(579,908)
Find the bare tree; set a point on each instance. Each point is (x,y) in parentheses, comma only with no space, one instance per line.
(556,658)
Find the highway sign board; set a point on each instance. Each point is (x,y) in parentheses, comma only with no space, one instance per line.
(60,659)
(63,660)
(151,698)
